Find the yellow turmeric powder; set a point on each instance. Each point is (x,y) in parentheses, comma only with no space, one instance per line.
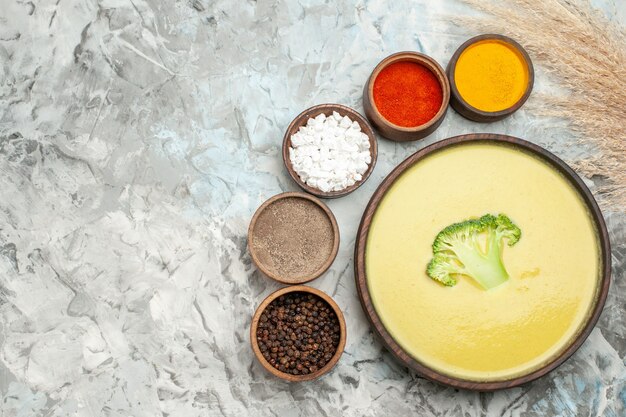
(491,75)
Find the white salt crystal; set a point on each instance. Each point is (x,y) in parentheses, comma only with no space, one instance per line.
(330,153)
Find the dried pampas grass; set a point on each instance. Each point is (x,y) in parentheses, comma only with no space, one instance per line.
(586,53)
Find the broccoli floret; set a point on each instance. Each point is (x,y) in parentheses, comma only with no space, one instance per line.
(458,250)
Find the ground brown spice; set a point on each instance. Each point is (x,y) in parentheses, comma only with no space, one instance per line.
(298,333)
(293,238)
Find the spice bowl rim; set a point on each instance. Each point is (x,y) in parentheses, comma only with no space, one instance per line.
(255,324)
(423,129)
(313,111)
(470,112)
(329,215)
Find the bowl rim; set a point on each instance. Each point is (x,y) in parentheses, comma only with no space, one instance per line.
(476,113)
(424,60)
(342,336)
(325,265)
(326,108)
(423,369)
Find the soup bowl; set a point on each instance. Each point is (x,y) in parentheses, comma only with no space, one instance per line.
(407,331)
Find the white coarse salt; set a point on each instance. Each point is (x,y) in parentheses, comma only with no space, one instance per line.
(330,153)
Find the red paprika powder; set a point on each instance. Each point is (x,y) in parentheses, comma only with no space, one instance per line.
(407,94)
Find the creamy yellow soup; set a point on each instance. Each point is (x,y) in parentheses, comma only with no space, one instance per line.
(465,331)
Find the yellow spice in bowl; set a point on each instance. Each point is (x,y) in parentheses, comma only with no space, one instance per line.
(491,75)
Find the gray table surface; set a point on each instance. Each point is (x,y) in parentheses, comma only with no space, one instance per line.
(137,137)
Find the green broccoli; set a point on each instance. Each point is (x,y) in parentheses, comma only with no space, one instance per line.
(458,250)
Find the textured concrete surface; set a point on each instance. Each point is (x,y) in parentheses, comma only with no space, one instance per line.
(137,137)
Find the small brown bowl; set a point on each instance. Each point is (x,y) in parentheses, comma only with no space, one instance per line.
(328,109)
(467,110)
(393,131)
(262,259)
(255,323)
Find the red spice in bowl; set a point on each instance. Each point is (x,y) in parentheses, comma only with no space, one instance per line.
(407,94)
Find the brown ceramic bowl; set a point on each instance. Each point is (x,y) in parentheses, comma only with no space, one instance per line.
(328,109)
(391,130)
(255,323)
(467,110)
(423,368)
(263,261)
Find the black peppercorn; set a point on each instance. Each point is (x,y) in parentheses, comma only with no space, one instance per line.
(289,335)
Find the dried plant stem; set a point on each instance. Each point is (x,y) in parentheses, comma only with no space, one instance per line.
(586,54)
